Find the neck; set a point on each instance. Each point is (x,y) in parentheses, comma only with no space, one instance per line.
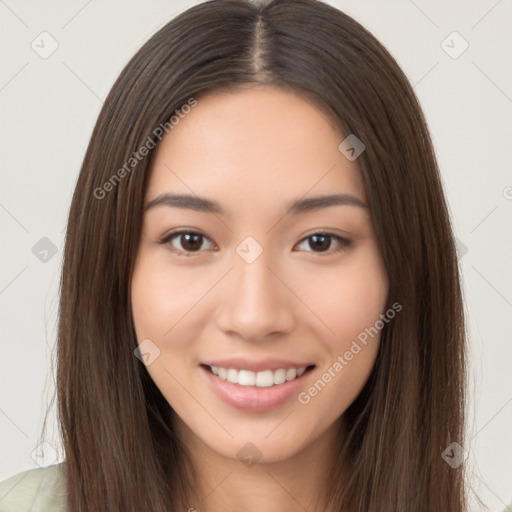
(296,484)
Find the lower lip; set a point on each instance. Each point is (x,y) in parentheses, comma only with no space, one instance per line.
(252,398)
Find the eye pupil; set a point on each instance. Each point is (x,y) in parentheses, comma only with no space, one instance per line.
(324,245)
(191,241)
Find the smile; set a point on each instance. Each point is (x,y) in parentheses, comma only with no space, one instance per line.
(263,379)
(258,389)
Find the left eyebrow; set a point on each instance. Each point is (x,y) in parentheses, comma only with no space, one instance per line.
(315,203)
(201,204)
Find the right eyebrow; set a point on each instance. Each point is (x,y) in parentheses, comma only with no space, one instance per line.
(196,203)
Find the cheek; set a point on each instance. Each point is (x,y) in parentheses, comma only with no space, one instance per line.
(162,299)
(352,297)
(359,299)
(162,296)
(352,305)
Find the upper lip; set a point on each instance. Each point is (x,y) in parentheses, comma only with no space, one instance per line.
(240,363)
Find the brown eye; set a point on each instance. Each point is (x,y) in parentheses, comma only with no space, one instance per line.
(322,242)
(185,242)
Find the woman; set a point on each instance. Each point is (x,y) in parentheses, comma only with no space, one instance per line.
(260,304)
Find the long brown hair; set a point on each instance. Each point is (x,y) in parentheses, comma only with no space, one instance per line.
(122,452)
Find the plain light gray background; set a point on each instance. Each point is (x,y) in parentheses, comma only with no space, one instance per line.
(49,107)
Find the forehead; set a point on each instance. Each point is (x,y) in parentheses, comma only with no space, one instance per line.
(258,145)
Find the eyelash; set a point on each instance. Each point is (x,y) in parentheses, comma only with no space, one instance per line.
(343,242)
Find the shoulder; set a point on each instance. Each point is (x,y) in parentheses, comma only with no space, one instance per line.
(35,490)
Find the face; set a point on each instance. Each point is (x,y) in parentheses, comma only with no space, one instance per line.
(252,309)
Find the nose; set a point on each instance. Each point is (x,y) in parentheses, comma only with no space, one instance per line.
(254,302)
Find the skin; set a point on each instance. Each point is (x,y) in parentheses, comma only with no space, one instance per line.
(254,151)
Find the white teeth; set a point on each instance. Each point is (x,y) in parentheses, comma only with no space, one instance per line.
(279,376)
(246,378)
(264,379)
(291,374)
(232,376)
